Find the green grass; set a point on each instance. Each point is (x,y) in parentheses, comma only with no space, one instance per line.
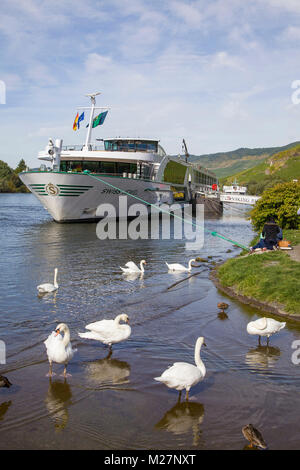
(269,277)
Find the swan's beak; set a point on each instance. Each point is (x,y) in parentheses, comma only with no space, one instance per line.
(204,344)
(57,332)
(127,321)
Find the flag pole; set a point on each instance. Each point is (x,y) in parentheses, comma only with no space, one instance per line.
(89,132)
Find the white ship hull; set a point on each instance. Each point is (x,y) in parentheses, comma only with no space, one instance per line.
(76,197)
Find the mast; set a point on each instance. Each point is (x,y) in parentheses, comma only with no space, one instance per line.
(89,132)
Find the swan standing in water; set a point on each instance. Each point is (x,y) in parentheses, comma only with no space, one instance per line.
(180,267)
(131,267)
(59,349)
(108,331)
(264,327)
(182,375)
(48,287)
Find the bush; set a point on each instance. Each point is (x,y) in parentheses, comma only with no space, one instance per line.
(281,202)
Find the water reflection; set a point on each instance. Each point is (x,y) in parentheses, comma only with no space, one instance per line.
(108,371)
(183,418)
(262,357)
(57,401)
(133,276)
(222,316)
(3,408)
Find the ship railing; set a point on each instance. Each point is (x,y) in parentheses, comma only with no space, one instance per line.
(79,148)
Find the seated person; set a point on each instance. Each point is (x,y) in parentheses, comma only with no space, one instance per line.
(270,232)
(270,236)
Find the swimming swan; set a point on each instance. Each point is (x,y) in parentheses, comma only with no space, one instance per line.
(180,267)
(108,331)
(59,349)
(182,375)
(133,268)
(48,287)
(264,327)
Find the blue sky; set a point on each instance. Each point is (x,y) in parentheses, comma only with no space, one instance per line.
(215,72)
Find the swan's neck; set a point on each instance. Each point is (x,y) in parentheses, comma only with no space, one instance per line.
(55,278)
(142,266)
(117,320)
(190,263)
(198,360)
(66,338)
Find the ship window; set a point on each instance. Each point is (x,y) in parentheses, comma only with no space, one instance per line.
(91,166)
(113,168)
(107,167)
(130,146)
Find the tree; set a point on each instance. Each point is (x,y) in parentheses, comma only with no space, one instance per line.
(9,179)
(281,202)
(21,166)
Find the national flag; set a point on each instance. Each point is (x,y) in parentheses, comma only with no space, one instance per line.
(75,122)
(81,118)
(99,120)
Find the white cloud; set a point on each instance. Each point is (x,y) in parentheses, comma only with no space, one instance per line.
(223,59)
(291,33)
(292,6)
(187,12)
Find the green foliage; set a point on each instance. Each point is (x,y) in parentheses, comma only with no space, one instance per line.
(21,166)
(270,277)
(281,202)
(9,179)
(278,168)
(234,162)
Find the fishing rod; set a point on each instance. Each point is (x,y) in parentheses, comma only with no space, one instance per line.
(213,233)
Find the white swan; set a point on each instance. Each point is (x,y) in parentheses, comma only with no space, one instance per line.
(48,287)
(264,327)
(182,375)
(59,349)
(133,268)
(108,331)
(180,267)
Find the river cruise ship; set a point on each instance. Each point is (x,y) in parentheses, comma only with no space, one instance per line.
(74,180)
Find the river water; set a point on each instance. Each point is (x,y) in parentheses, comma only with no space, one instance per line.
(114,403)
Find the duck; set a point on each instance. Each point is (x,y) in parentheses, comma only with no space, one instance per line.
(223,306)
(131,267)
(180,267)
(48,287)
(108,332)
(4,382)
(264,327)
(59,348)
(182,375)
(254,436)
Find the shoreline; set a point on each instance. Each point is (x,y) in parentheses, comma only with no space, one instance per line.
(251,301)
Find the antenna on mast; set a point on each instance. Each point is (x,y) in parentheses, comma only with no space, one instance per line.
(93,96)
